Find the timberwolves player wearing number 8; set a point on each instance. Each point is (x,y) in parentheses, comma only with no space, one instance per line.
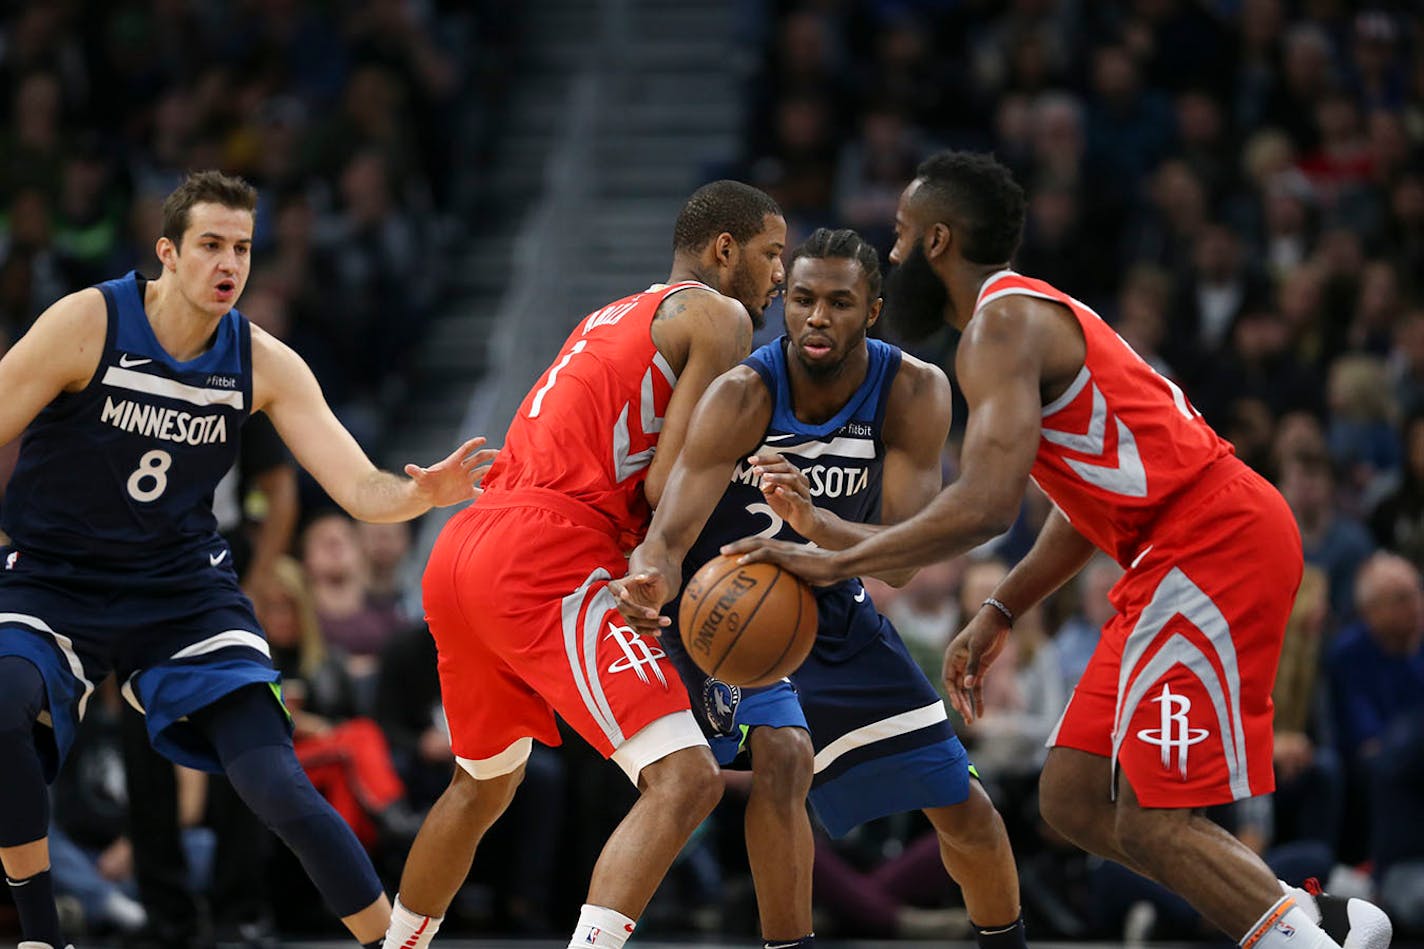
(131,396)
(843,433)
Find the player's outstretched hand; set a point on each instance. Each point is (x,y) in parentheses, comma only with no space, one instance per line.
(816,566)
(455,478)
(786,490)
(968,658)
(640,597)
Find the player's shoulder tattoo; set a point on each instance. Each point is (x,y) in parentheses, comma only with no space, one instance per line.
(670,307)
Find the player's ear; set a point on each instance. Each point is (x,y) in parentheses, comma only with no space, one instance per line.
(939,237)
(167,253)
(875,306)
(725,249)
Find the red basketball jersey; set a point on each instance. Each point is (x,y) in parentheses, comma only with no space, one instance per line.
(589,426)
(1120,441)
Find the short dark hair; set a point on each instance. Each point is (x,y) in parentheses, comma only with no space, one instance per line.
(210,187)
(979,197)
(825,243)
(722,206)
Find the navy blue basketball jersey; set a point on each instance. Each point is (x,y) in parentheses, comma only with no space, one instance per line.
(120,475)
(842,458)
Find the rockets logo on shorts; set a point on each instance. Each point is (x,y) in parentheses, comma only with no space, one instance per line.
(1175,733)
(637,654)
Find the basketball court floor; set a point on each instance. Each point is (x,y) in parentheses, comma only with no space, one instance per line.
(749,944)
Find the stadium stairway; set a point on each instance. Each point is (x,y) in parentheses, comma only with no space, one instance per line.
(616,111)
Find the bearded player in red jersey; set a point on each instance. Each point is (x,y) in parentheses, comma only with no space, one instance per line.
(516,587)
(1174,711)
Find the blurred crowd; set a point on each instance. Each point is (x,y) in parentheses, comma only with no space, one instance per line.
(346,116)
(1236,185)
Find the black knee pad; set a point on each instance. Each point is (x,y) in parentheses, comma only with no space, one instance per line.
(22,694)
(24,802)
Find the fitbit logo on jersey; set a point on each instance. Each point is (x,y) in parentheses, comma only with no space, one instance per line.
(170,425)
(222,382)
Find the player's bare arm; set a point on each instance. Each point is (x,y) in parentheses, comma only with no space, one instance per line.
(60,353)
(1057,555)
(702,334)
(283,386)
(725,427)
(917,420)
(1000,362)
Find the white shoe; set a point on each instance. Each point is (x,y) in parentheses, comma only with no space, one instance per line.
(1137,924)
(1352,922)
(32,944)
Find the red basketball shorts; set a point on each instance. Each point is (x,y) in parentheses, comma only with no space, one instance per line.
(518,603)
(1178,692)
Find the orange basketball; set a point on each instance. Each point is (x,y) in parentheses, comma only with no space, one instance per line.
(749,625)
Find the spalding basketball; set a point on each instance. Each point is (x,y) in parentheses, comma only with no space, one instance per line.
(747,625)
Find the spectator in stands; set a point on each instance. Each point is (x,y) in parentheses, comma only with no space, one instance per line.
(408,710)
(1376,674)
(1406,364)
(1142,305)
(1376,665)
(1307,73)
(1333,541)
(1378,308)
(338,574)
(1398,520)
(386,548)
(1362,435)
(1258,365)
(1310,780)
(1077,638)
(1130,128)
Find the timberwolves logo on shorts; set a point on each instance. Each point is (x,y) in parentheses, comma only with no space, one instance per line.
(719,701)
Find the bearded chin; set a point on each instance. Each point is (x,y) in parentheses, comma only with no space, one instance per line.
(915,299)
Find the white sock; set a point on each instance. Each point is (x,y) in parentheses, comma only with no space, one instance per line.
(410,930)
(1287,924)
(1303,899)
(600,928)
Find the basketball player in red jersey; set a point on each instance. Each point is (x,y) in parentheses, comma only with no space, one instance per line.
(516,587)
(1174,711)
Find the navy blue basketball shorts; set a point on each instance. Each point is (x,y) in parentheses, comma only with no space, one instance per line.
(883,742)
(176,644)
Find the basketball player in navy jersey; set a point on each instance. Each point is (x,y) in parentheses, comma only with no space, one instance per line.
(130,396)
(815,436)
